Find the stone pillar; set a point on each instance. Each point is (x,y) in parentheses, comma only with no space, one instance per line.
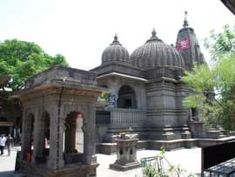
(89,135)
(73,134)
(196,128)
(24,136)
(38,137)
(189,115)
(56,160)
(27,136)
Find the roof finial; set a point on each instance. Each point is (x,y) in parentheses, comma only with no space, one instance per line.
(185,19)
(154,33)
(115,40)
(154,37)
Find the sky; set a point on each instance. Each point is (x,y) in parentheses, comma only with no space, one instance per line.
(81,29)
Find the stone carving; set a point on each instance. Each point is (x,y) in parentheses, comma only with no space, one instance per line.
(112,101)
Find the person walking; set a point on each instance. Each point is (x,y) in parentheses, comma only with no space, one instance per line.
(2,143)
(9,144)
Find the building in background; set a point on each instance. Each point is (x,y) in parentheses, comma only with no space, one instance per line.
(7,116)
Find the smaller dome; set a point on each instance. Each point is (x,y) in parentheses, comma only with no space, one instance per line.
(115,52)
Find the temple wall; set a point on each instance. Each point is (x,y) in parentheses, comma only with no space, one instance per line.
(164,105)
(127,118)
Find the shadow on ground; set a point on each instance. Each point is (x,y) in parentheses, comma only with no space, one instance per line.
(6,173)
(11,174)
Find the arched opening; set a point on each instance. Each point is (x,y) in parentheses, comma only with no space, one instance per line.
(126,97)
(79,145)
(74,137)
(46,123)
(46,134)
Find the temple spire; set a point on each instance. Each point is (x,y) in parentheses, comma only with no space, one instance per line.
(185,19)
(188,45)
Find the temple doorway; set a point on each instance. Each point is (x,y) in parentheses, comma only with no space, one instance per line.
(126,97)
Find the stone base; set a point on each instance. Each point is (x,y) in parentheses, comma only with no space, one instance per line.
(154,133)
(124,167)
(110,148)
(168,144)
(33,170)
(214,133)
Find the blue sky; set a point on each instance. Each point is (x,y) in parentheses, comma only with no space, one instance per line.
(81,29)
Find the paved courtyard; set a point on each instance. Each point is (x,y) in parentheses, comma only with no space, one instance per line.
(7,163)
(188,159)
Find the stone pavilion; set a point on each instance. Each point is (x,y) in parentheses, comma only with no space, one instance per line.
(58,116)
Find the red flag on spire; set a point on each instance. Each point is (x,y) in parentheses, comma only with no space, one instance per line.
(184,44)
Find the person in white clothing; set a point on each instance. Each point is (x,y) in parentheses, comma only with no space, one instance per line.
(2,143)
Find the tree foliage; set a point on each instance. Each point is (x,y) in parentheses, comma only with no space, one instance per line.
(21,60)
(221,44)
(214,88)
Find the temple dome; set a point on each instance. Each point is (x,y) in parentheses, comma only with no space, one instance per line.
(115,52)
(155,53)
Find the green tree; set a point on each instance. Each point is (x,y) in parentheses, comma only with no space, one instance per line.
(213,90)
(221,44)
(21,60)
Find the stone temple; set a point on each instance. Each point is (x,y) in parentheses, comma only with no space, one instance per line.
(64,125)
(146,91)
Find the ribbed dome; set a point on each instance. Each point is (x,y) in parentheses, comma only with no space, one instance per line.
(115,52)
(155,53)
